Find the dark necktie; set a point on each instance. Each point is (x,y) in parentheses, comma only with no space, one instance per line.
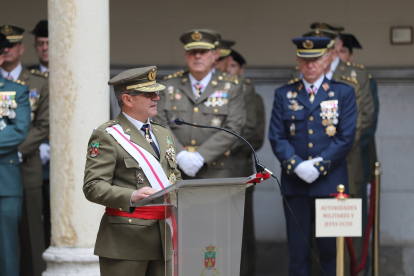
(146,128)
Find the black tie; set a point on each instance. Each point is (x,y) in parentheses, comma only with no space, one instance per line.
(145,128)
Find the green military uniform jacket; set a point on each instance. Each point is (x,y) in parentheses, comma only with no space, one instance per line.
(31,168)
(253,131)
(221,104)
(12,133)
(110,179)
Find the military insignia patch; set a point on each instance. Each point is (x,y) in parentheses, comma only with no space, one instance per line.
(94,149)
(325,86)
(295,106)
(331,94)
(227,86)
(353,74)
(300,87)
(292,129)
(172,179)
(307,44)
(152,75)
(33,98)
(330,130)
(7,30)
(2,124)
(140,179)
(170,89)
(170,153)
(210,259)
(289,94)
(196,36)
(178,96)
(215,122)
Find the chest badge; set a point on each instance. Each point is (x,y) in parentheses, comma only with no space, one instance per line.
(172,179)
(170,153)
(331,94)
(295,106)
(140,179)
(292,129)
(216,122)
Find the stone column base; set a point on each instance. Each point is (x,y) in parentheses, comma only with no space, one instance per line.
(71,261)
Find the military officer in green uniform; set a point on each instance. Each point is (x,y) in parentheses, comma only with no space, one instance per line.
(41,45)
(14,126)
(367,140)
(244,161)
(203,97)
(131,240)
(31,231)
(225,50)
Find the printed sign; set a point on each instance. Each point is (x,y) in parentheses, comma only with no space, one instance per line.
(338,218)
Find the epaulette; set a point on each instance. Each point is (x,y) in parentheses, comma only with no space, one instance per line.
(109,123)
(155,123)
(229,77)
(17,81)
(175,75)
(353,80)
(244,79)
(39,73)
(353,64)
(293,80)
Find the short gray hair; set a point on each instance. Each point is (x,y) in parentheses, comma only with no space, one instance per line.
(118,95)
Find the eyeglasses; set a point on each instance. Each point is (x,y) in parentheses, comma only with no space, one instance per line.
(149,95)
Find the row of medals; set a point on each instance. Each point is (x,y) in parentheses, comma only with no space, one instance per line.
(7,108)
(329,116)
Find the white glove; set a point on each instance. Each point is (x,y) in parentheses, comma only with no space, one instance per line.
(189,162)
(20,157)
(44,153)
(306,171)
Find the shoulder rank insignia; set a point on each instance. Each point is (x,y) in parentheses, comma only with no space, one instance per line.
(94,149)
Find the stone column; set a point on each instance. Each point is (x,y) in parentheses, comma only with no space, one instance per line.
(79,102)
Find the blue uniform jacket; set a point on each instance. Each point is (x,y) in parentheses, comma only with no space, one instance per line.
(296,134)
(12,135)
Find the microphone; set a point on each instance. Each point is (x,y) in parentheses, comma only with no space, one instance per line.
(259,167)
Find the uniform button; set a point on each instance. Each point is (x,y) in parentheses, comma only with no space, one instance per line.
(287,172)
(130,220)
(310,158)
(325,173)
(11,161)
(293,161)
(310,131)
(214,163)
(195,109)
(174,108)
(222,164)
(317,164)
(310,145)
(193,142)
(215,110)
(120,209)
(293,117)
(289,167)
(194,124)
(322,168)
(311,118)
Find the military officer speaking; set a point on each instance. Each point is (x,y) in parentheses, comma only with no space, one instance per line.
(202,97)
(130,158)
(312,129)
(31,231)
(14,126)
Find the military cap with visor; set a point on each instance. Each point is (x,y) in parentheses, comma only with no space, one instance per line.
(200,39)
(324,33)
(237,57)
(41,29)
(326,26)
(350,42)
(12,32)
(137,79)
(311,46)
(225,47)
(4,43)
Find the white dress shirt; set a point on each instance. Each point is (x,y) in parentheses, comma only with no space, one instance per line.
(316,84)
(204,82)
(43,68)
(15,73)
(139,125)
(334,64)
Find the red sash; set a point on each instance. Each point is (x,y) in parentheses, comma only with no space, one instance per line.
(149,212)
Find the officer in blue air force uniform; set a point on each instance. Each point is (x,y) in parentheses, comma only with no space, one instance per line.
(312,129)
(14,125)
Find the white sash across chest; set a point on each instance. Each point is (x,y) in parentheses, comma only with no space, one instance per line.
(149,164)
